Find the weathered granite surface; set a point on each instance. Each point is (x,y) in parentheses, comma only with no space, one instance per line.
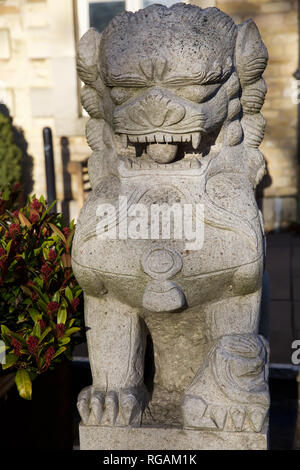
(163,438)
(174,97)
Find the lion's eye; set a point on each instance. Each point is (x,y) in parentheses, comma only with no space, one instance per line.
(120,95)
(197,93)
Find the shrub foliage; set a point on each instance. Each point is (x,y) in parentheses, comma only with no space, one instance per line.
(10,153)
(41,304)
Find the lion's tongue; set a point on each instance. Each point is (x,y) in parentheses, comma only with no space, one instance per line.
(162,153)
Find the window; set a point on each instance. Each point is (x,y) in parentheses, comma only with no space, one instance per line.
(100,13)
(97,13)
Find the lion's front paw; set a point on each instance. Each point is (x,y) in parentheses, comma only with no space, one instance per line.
(112,408)
(199,414)
(230,391)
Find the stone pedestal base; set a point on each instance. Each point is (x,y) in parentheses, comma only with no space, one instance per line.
(161,438)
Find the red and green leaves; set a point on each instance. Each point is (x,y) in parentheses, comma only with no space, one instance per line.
(41,304)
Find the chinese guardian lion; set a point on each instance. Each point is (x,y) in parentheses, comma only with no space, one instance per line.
(174,98)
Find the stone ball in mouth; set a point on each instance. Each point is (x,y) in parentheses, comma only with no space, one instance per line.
(162,153)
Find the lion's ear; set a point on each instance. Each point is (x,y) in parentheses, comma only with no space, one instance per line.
(88,56)
(251,59)
(251,54)
(94,96)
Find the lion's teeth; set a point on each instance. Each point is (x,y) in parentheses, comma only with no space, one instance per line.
(196,139)
(195,163)
(144,165)
(124,140)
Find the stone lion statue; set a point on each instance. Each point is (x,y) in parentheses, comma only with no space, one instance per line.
(174,98)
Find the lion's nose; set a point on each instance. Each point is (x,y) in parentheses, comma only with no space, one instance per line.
(156,110)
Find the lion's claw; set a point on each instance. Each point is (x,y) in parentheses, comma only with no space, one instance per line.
(112,408)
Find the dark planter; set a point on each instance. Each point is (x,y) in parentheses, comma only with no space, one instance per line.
(45,422)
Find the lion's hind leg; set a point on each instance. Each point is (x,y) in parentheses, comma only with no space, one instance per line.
(230,390)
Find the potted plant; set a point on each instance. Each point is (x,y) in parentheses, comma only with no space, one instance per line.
(41,304)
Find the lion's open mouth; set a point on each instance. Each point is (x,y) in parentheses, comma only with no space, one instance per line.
(163,148)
